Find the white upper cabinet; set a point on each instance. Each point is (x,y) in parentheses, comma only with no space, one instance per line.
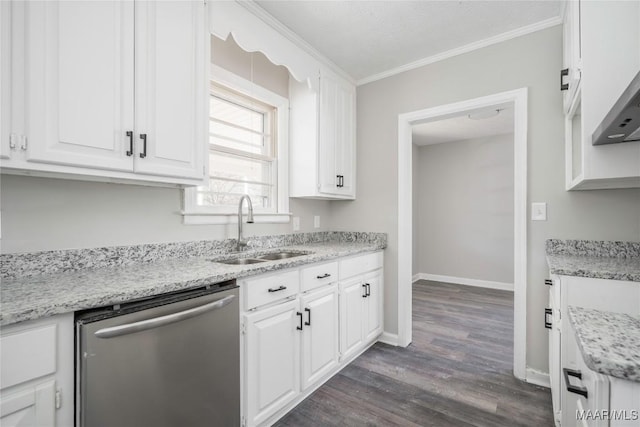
(609,58)
(323,139)
(111,89)
(171,92)
(79,98)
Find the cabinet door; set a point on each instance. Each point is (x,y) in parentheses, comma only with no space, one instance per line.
(272,358)
(352,295)
(336,137)
(345,138)
(554,354)
(320,334)
(327,136)
(30,408)
(5,79)
(79,97)
(572,55)
(373,306)
(171,88)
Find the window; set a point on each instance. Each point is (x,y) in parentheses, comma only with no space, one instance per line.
(247,153)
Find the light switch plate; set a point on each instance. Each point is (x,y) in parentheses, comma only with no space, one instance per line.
(538,211)
(316,221)
(296,223)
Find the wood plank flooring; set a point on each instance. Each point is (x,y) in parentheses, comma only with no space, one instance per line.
(457,372)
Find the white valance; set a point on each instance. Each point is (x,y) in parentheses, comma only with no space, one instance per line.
(253,34)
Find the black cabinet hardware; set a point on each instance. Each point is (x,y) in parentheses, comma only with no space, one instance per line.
(281,288)
(547,323)
(582,391)
(368,288)
(563,74)
(130,136)
(364,286)
(299,314)
(324,276)
(143,137)
(308,322)
(340,183)
(548,282)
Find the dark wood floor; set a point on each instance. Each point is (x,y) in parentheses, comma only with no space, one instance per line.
(457,372)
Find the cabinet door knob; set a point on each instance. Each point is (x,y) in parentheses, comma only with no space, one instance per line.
(563,74)
(143,137)
(308,322)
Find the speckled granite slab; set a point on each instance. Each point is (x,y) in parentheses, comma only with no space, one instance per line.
(595,259)
(609,342)
(27,298)
(37,263)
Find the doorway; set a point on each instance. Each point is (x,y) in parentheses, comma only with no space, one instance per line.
(517,100)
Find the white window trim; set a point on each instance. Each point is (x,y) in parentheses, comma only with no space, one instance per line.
(193,214)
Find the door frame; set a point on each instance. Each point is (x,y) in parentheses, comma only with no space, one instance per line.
(518,98)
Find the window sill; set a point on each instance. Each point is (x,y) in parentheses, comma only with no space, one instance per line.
(199,218)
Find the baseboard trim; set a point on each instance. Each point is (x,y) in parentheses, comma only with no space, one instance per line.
(538,378)
(391,339)
(464,281)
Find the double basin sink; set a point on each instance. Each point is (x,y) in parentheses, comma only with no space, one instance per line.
(273,256)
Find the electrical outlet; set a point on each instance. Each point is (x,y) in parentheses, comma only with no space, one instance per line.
(538,211)
(316,221)
(296,223)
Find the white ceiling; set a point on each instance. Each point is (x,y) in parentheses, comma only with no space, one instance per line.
(462,127)
(367,38)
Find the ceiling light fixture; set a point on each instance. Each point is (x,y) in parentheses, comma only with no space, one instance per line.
(486,114)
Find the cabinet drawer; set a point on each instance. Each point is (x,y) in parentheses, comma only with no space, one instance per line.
(264,290)
(27,354)
(360,264)
(318,275)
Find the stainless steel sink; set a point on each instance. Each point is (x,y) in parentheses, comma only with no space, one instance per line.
(240,261)
(280,255)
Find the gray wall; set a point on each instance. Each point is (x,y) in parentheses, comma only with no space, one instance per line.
(46,214)
(529,61)
(464,200)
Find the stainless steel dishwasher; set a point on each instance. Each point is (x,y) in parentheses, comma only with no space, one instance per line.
(166,361)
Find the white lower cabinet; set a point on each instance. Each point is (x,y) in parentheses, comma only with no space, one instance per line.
(36,382)
(295,323)
(319,334)
(272,360)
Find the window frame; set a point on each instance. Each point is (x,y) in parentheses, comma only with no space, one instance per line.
(194,214)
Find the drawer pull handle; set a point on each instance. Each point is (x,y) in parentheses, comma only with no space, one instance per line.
(324,276)
(582,391)
(364,286)
(368,289)
(281,288)
(548,282)
(308,322)
(299,314)
(547,323)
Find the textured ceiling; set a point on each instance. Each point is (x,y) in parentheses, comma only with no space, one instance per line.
(366,38)
(462,127)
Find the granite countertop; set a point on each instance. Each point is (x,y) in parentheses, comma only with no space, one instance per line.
(595,259)
(609,342)
(27,298)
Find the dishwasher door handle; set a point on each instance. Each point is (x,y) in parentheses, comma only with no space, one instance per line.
(143,325)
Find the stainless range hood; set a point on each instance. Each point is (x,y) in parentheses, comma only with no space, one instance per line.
(622,123)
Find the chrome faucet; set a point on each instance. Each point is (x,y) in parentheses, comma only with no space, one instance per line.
(241,241)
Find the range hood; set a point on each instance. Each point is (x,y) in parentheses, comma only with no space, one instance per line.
(622,123)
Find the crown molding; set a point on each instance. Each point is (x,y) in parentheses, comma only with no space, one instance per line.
(267,18)
(538,26)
